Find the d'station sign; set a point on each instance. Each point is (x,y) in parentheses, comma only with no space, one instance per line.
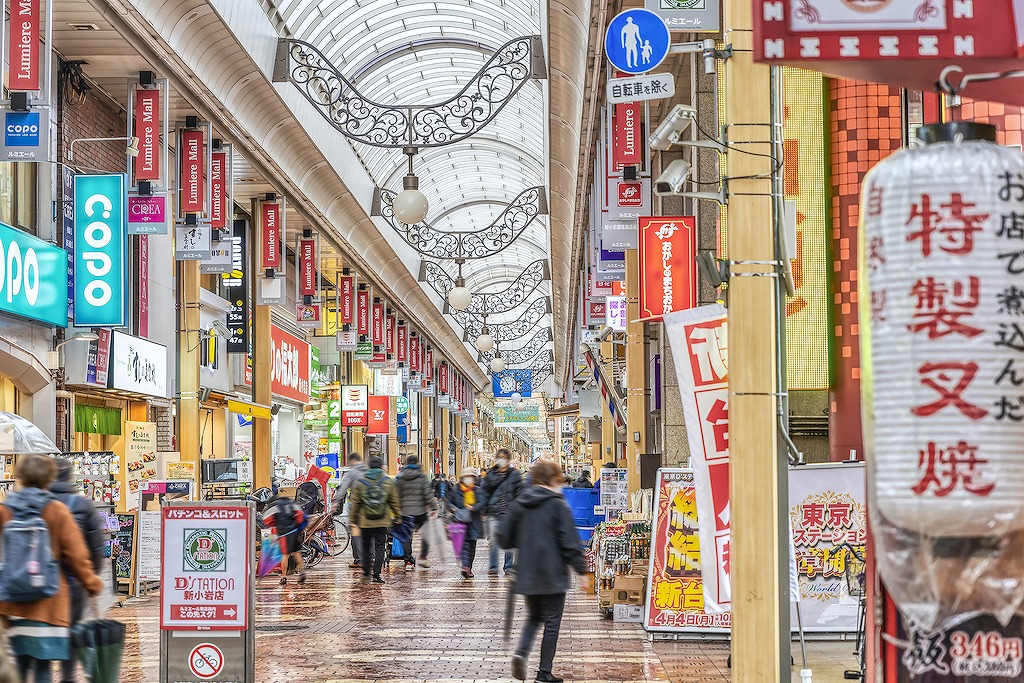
(668,251)
(101,250)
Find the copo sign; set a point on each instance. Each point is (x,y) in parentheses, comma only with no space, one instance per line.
(101,223)
(33,277)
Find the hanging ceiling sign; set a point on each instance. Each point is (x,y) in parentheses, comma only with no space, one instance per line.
(668,252)
(414,353)
(236,284)
(428,361)
(25,135)
(270,236)
(629,200)
(147,129)
(512,381)
(192,178)
(307,268)
(346,290)
(347,340)
(290,367)
(355,401)
(636,41)
(379,415)
(363,311)
(442,379)
(691,16)
(138,365)
(192,242)
(377,324)
(403,342)
(627,136)
(218,190)
(389,335)
(34,280)
(387,382)
(642,88)
(24,60)
(147,215)
(101,250)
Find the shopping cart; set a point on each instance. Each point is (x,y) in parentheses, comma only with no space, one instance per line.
(856,583)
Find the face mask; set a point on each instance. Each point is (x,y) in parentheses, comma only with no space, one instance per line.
(502,462)
(467,480)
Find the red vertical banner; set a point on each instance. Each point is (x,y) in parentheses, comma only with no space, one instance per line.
(442,380)
(147,129)
(24,60)
(193,184)
(270,236)
(428,362)
(380,415)
(346,294)
(627,135)
(363,310)
(307,268)
(144,286)
(402,339)
(668,253)
(414,353)
(218,189)
(377,323)
(389,335)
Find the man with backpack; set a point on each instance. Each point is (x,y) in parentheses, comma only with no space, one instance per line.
(417,498)
(502,485)
(373,506)
(357,467)
(65,489)
(288,520)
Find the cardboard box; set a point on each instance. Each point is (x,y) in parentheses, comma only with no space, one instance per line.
(592,588)
(606,597)
(632,614)
(630,582)
(629,598)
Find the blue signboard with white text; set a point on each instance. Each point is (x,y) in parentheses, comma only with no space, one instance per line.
(636,41)
(101,250)
(512,381)
(34,277)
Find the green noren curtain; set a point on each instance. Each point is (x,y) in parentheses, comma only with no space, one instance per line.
(97,420)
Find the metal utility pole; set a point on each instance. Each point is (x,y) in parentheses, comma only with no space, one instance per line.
(760,608)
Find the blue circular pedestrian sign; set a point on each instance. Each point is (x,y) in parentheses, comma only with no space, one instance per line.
(637,41)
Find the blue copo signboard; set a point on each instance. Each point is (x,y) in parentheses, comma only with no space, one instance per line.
(101,250)
(33,277)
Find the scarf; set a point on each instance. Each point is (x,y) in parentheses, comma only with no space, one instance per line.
(468,494)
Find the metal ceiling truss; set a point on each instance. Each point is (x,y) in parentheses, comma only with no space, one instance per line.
(487,303)
(524,353)
(435,125)
(495,238)
(505,331)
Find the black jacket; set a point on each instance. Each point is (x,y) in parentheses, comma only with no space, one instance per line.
(415,493)
(540,526)
(499,489)
(94,531)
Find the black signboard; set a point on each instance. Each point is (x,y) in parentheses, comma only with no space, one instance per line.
(124,543)
(237,286)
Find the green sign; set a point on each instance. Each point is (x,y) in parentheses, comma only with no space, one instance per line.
(517,415)
(34,277)
(334,420)
(206,550)
(364,351)
(401,405)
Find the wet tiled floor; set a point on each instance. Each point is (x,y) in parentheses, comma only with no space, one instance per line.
(430,626)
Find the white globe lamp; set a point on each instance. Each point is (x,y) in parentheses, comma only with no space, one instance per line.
(485,342)
(497,364)
(517,397)
(460,298)
(410,205)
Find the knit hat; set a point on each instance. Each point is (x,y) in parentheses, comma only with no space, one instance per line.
(468,472)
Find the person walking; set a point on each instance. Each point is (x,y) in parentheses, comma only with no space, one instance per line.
(501,486)
(356,470)
(466,508)
(373,506)
(65,489)
(540,526)
(288,520)
(416,496)
(35,591)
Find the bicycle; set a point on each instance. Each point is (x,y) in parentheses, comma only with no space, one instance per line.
(338,536)
(855,573)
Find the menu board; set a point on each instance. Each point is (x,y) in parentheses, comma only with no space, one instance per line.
(124,545)
(140,459)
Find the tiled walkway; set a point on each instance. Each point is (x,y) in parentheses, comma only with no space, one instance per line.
(429,626)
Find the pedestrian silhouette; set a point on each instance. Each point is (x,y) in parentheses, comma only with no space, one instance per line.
(631,42)
(645,53)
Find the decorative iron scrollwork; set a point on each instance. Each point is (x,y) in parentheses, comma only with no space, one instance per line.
(525,284)
(493,239)
(504,331)
(524,354)
(388,125)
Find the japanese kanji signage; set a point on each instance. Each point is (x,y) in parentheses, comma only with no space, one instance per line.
(205,568)
(942,298)
(675,589)
(289,372)
(615,312)
(641,88)
(668,278)
(355,400)
(692,16)
(700,350)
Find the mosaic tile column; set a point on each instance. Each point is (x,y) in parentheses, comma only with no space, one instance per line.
(865,127)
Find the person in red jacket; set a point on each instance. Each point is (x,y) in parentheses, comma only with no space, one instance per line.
(288,520)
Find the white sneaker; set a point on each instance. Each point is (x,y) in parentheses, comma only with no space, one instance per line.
(424,563)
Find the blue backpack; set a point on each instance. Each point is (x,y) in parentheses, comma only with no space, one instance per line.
(28,570)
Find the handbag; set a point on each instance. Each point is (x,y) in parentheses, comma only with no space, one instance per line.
(464,515)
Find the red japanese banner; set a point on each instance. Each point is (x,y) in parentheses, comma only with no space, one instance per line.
(346,292)
(675,588)
(270,236)
(403,343)
(389,335)
(25,65)
(667,258)
(218,189)
(290,365)
(414,353)
(442,378)
(147,129)
(700,351)
(380,415)
(363,310)
(308,280)
(428,362)
(627,135)
(193,182)
(377,323)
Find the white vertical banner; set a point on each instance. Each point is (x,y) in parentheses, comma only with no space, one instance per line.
(698,340)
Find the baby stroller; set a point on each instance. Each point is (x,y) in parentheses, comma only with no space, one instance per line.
(310,497)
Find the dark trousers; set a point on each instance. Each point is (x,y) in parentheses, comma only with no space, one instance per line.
(468,553)
(547,610)
(67,667)
(34,670)
(418,522)
(373,550)
(357,548)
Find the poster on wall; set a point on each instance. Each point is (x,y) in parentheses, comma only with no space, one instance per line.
(675,587)
(614,491)
(827,508)
(140,458)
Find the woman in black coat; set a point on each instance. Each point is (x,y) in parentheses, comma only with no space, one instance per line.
(466,506)
(541,527)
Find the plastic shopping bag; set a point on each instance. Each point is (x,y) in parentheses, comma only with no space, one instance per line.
(270,556)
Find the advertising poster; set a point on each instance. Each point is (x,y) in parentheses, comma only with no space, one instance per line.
(675,587)
(700,350)
(827,507)
(355,405)
(140,458)
(614,491)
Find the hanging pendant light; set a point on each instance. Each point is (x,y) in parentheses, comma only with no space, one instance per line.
(485,342)
(410,205)
(460,298)
(497,363)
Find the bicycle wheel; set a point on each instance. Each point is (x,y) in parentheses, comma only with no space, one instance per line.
(342,538)
(312,554)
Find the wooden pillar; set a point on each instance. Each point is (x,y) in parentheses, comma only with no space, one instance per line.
(760,651)
(262,360)
(608,449)
(636,373)
(444,433)
(188,364)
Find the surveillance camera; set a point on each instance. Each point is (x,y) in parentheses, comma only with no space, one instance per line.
(672,127)
(603,334)
(671,180)
(221,329)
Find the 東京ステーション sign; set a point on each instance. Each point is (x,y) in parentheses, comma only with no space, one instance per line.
(34,279)
(101,250)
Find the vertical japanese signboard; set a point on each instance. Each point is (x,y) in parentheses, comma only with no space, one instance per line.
(270,236)
(193,182)
(147,129)
(290,369)
(627,136)
(101,250)
(700,352)
(24,60)
(377,324)
(675,589)
(355,405)
(414,353)
(237,291)
(363,311)
(668,251)
(615,312)
(402,340)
